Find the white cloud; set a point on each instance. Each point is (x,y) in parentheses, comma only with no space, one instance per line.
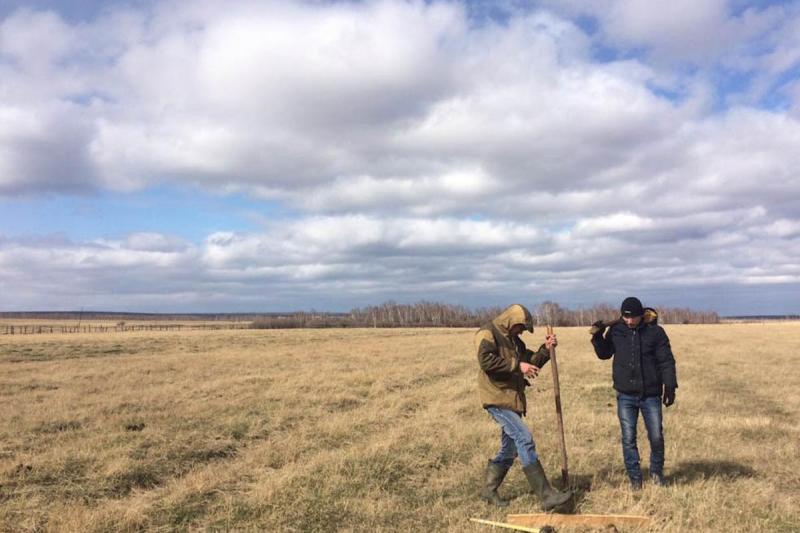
(43,148)
(278,96)
(21,39)
(618,222)
(155,242)
(333,108)
(416,146)
(682,28)
(370,258)
(783,228)
(684,31)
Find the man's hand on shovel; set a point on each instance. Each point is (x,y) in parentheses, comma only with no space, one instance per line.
(550,341)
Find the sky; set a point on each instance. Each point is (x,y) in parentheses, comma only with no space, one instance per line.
(241,156)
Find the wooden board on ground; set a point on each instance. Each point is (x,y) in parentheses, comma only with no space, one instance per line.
(589,520)
(515,527)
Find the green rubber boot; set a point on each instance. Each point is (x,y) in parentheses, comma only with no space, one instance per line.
(495,474)
(550,497)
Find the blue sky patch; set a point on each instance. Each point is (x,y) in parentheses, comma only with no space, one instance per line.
(185,212)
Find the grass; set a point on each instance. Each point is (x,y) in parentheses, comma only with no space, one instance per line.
(372,430)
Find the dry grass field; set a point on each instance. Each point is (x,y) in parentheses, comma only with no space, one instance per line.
(373,430)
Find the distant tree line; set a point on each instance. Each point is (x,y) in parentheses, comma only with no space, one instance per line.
(553,314)
(433,314)
(386,315)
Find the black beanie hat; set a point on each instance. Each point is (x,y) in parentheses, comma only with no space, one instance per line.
(631,307)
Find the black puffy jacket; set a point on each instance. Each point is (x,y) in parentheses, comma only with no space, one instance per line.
(643,360)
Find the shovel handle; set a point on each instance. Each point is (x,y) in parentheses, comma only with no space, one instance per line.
(559,414)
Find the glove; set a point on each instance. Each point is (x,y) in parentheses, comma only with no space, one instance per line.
(669,396)
(597,327)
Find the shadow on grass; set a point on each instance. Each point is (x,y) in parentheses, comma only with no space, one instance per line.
(688,471)
(580,485)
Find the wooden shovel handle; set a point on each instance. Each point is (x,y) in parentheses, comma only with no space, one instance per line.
(559,414)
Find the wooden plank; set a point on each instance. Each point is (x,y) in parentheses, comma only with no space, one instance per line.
(588,520)
(515,527)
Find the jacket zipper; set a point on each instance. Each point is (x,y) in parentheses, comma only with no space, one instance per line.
(638,360)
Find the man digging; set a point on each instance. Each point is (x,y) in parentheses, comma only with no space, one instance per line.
(505,368)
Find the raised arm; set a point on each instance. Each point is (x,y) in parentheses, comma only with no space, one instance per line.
(603,347)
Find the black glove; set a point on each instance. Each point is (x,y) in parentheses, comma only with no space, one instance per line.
(597,327)
(669,396)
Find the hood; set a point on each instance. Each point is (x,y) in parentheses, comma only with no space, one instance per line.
(513,314)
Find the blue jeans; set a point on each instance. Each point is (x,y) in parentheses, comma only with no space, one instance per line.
(515,437)
(628,407)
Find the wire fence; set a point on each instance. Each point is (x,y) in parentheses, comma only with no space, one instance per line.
(47,329)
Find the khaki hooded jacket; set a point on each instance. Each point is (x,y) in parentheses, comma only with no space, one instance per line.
(500,381)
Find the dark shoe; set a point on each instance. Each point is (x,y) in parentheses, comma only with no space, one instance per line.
(495,474)
(636,483)
(658,479)
(549,497)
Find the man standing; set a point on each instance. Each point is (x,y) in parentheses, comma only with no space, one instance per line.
(505,368)
(644,376)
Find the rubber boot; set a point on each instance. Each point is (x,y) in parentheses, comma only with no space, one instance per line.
(495,474)
(550,497)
